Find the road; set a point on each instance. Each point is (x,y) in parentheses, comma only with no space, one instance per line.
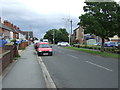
(74,69)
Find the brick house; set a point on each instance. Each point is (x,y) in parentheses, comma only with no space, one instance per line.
(5,31)
(10,31)
(78,35)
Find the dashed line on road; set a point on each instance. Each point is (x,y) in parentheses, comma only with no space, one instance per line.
(98,66)
(49,82)
(72,56)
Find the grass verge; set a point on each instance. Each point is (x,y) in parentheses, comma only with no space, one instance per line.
(96,52)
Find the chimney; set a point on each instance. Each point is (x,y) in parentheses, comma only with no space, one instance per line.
(6,22)
(15,27)
(9,24)
(12,26)
(18,28)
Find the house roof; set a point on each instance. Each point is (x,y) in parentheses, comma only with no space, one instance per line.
(76,29)
(7,28)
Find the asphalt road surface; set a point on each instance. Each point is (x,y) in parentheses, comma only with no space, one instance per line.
(74,69)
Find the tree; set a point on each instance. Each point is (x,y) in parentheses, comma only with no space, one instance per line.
(58,35)
(49,35)
(64,36)
(101,19)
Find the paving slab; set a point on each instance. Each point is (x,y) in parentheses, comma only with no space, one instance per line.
(26,73)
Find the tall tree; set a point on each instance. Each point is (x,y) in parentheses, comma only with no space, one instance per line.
(49,35)
(64,36)
(58,35)
(100,19)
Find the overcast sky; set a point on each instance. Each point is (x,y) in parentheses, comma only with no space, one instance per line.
(40,16)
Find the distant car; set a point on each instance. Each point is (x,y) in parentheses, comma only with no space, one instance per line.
(63,44)
(113,44)
(59,43)
(107,44)
(118,45)
(36,41)
(99,43)
(45,40)
(44,48)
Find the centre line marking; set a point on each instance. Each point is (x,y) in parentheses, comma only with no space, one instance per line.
(98,66)
(73,56)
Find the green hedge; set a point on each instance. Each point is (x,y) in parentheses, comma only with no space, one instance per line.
(106,49)
(95,52)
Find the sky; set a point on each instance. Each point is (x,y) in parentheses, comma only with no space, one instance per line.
(40,16)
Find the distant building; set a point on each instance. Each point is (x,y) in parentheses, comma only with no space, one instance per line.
(115,38)
(28,35)
(78,35)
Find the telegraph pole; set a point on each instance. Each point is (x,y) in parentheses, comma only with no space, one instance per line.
(53,37)
(71,31)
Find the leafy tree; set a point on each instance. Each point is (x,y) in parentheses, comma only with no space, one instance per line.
(101,19)
(65,34)
(49,35)
(59,35)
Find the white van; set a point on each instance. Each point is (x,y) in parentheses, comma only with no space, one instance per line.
(45,40)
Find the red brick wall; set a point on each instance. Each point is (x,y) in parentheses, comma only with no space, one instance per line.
(7,56)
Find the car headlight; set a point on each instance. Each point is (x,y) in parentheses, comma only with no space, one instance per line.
(39,51)
(50,50)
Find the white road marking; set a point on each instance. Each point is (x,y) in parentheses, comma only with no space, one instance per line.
(98,66)
(72,56)
(49,82)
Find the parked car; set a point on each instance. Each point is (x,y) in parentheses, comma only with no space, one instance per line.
(59,43)
(36,41)
(45,40)
(118,45)
(107,44)
(63,44)
(113,44)
(99,44)
(44,48)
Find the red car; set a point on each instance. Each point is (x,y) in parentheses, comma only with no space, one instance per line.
(44,48)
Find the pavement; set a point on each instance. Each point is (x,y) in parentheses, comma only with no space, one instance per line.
(25,72)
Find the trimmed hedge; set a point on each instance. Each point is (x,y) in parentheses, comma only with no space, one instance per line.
(106,49)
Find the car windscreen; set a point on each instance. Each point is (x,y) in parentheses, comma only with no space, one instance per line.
(44,46)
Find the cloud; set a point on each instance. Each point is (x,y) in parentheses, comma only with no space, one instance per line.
(41,15)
